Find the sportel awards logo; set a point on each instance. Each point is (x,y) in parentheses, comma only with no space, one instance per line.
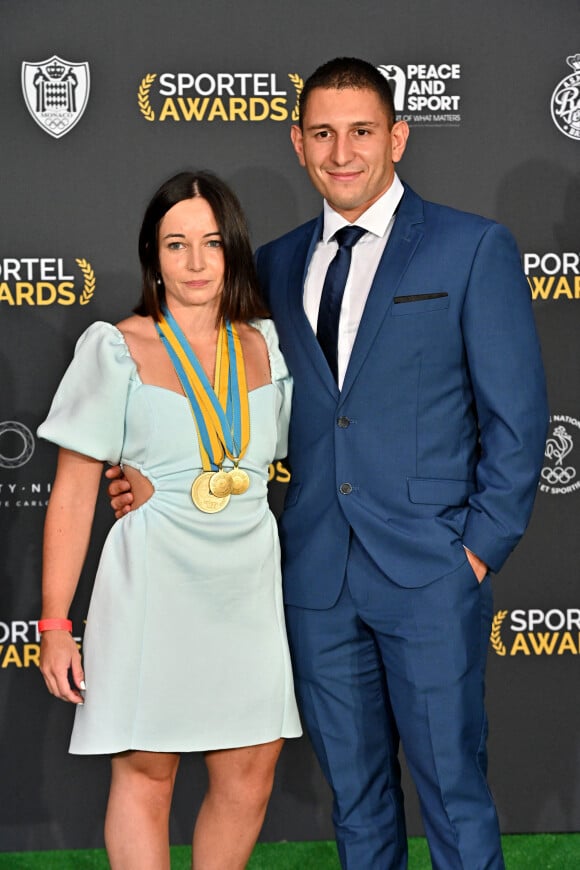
(278,472)
(565,105)
(559,475)
(56,92)
(536,632)
(20,644)
(425,94)
(42,281)
(553,276)
(223,96)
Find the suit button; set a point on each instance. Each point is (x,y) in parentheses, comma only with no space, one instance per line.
(346,488)
(343,422)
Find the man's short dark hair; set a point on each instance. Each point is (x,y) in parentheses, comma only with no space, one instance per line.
(349,72)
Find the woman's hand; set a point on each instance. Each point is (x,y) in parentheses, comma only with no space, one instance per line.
(59,654)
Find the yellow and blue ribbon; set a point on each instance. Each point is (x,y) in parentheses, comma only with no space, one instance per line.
(221,413)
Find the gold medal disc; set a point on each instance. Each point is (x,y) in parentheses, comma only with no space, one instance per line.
(240,481)
(220,484)
(203,498)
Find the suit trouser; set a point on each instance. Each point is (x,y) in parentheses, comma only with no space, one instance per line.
(387,660)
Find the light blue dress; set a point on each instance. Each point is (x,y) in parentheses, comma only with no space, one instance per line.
(185,646)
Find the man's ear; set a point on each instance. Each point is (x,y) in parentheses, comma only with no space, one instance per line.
(298,142)
(399,136)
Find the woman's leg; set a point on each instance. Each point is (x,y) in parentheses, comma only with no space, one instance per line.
(137,820)
(232,813)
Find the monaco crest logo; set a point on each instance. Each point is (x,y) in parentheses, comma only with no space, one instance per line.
(565,105)
(56,92)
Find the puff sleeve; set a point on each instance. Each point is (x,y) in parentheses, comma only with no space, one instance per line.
(282,381)
(87,414)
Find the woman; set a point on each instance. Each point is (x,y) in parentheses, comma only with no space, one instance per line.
(185,646)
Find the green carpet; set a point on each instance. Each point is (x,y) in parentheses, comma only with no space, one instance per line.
(522,852)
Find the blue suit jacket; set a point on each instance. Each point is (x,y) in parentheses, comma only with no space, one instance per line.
(440,427)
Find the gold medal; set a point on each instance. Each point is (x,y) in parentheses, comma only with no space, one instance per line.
(220,484)
(203,498)
(240,480)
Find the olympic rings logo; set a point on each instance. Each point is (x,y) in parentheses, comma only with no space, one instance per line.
(560,476)
(27,439)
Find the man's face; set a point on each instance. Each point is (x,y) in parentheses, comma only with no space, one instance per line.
(347,148)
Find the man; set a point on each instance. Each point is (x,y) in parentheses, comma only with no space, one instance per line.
(416,440)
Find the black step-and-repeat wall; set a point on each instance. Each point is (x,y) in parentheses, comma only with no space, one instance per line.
(102,101)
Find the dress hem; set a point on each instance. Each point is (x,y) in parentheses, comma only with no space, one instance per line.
(291,734)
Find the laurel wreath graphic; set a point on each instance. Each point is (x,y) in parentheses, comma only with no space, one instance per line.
(143,96)
(495,636)
(90,281)
(298,83)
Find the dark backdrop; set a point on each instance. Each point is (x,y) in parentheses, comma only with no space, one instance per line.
(492,94)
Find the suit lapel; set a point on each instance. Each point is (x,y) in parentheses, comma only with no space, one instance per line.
(297,271)
(405,236)
(301,328)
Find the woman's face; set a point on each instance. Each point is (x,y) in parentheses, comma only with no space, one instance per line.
(191,255)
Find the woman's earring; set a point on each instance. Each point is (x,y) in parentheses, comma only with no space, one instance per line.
(159,282)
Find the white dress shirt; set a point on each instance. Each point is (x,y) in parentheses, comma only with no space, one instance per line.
(378,221)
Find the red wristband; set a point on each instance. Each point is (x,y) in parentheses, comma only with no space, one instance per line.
(55,625)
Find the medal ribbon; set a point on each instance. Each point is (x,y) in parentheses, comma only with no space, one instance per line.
(223,420)
(238,409)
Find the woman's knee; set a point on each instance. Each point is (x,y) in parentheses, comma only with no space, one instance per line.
(246,775)
(150,775)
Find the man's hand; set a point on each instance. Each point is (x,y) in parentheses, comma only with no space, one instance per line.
(119,491)
(479,568)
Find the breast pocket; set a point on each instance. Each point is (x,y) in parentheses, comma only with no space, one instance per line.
(419,303)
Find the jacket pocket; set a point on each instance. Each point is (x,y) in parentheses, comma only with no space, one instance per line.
(419,303)
(431,490)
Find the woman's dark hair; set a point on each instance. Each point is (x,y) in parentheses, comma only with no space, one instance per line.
(241,299)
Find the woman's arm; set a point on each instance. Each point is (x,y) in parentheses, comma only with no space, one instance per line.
(67,529)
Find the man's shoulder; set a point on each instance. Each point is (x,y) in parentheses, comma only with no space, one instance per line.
(466,231)
(457,216)
(446,214)
(287,241)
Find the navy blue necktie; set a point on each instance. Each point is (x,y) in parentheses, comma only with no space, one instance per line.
(332,293)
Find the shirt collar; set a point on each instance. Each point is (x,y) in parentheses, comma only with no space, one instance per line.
(375,219)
